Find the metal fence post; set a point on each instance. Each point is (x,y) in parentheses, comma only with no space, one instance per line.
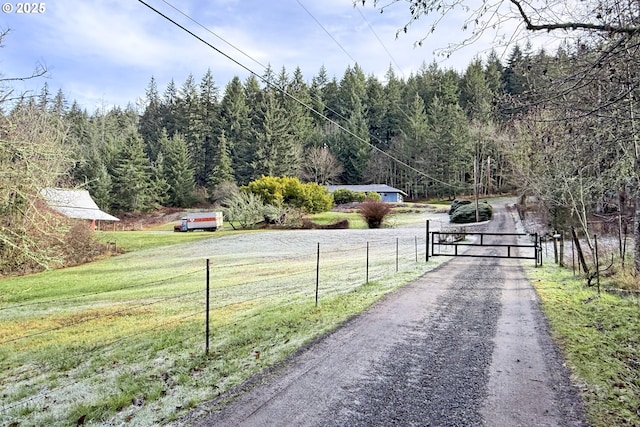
(367,268)
(206,347)
(317,273)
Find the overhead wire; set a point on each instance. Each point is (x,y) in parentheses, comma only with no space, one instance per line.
(292,97)
(326,31)
(380,41)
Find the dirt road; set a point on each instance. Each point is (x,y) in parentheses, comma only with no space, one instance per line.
(465,345)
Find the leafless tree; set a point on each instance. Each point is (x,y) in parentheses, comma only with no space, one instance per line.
(321,166)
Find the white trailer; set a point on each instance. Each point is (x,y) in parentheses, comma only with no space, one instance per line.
(206,221)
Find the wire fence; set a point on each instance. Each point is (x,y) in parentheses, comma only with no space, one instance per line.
(153,325)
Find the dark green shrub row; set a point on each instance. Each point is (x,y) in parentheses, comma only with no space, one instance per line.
(466,213)
(344,195)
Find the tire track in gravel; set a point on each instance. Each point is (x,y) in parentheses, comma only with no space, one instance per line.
(464,345)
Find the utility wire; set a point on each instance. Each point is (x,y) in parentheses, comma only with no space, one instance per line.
(379,40)
(213,34)
(284,92)
(326,31)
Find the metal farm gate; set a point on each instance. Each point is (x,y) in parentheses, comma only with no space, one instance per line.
(447,243)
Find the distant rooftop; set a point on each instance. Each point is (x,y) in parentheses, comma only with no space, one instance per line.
(75,204)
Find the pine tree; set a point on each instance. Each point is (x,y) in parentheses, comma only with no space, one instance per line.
(234,116)
(222,164)
(376,113)
(476,96)
(299,117)
(412,147)
(151,125)
(131,176)
(393,109)
(275,152)
(170,109)
(353,152)
(159,188)
(177,171)
(449,136)
(209,126)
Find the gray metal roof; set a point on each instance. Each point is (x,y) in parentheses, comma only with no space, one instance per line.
(75,204)
(370,188)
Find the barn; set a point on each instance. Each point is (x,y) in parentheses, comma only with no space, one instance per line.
(387,193)
(76,204)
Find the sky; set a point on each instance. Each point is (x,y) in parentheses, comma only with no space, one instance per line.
(103,53)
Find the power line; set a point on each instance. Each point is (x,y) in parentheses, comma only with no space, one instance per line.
(213,34)
(284,92)
(379,40)
(326,31)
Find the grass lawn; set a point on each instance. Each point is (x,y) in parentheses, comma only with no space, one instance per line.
(121,340)
(600,337)
(138,240)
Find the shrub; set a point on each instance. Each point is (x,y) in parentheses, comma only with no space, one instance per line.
(467,213)
(245,208)
(81,244)
(372,195)
(456,204)
(343,195)
(374,212)
(316,198)
(289,191)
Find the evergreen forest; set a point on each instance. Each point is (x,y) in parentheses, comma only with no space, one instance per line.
(557,127)
(177,144)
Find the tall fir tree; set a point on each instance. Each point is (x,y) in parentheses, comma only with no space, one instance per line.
(235,123)
(150,126)
(275,152)
(222,164)
(177,171)
(394,107)
(353,152)
(131,176)
(209,127)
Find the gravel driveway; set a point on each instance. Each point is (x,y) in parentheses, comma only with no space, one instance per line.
(464,345)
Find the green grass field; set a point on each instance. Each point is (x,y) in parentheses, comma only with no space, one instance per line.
(122,340)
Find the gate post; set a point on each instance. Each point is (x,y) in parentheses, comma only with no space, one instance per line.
(426,252)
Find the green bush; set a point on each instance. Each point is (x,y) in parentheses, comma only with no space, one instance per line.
(316,198)
(289,191)
(466,213)
(343,195)
(372,195)
(456,204)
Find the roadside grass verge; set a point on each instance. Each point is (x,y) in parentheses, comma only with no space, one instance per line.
(600,338)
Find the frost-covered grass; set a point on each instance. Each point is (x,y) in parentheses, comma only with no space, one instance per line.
(122,340)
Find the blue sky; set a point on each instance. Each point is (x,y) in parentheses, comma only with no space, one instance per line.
(104,52)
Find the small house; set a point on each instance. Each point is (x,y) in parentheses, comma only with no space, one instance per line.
(387,193)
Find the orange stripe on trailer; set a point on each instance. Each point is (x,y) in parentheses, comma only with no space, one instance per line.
(204,219)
